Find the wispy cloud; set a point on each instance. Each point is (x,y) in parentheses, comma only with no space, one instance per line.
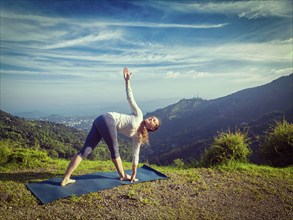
(160,25)
(158,57)
(242,9)
(91,23)
(46,33)
(81,41)
(172,74)
(192,74)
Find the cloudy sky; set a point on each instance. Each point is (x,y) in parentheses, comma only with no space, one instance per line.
(67,56)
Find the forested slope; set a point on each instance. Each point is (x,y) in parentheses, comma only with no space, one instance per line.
(57,139)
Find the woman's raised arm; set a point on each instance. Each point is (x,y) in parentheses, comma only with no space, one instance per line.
(134,107)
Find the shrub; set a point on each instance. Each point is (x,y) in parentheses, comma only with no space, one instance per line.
(277,147)
(179,163)
(227,147)
(5,151)
(53,154)
(27,158)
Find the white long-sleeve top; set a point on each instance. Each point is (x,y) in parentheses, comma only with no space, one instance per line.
(128,124)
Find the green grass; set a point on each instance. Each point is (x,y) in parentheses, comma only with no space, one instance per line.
(232,191)
(256,169)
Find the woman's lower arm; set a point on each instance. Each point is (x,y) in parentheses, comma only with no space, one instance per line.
(119,167)
(134,169)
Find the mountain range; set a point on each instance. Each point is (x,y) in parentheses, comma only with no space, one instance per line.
(189,126)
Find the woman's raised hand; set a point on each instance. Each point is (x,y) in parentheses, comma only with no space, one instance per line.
(127,75)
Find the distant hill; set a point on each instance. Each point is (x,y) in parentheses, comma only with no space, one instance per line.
(189,126)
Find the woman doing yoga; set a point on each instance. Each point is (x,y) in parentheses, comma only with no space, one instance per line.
(107,126)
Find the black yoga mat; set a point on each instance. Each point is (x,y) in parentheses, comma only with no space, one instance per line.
(50,190)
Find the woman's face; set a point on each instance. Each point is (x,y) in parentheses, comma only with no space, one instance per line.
(151,123)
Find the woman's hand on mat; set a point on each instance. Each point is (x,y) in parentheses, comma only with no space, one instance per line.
(127,75)
(133,179)
(125,178)
(129,178)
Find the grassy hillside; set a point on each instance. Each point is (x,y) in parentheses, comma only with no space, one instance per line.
(237,191)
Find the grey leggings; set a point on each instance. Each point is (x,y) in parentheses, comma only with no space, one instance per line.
(103,127)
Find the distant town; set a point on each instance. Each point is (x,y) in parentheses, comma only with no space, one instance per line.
(78,122)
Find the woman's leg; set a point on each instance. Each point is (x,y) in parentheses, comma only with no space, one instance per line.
(75,161)
(91,142)
(109,134)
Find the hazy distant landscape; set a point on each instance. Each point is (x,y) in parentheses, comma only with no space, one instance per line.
(189,126)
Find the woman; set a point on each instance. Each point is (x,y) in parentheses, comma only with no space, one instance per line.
(107,125)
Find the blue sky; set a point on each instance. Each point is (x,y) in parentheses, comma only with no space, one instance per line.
(67,56)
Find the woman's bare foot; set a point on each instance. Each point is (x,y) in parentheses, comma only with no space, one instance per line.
(67,181)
